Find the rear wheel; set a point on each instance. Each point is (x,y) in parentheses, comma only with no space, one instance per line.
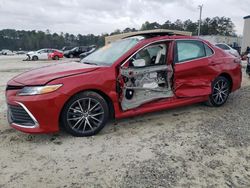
(56,58)
(85,114)
(220,92)
(71,56)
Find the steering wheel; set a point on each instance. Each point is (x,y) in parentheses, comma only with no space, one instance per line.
(152,60)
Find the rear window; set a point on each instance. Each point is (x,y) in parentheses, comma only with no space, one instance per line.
(222,46)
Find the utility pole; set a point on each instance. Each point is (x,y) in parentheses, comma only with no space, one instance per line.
(199,28)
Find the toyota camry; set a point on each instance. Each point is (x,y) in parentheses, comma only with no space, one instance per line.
(132,76)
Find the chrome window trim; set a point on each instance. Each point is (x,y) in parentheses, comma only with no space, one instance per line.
(30,114)
(165,40)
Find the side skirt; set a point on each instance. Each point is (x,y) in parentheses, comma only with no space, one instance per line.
(160,105)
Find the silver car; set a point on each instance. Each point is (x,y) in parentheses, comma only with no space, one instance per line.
(228,49)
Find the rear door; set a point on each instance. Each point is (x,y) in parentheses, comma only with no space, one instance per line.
(43,54)
(192,76)
(51,53)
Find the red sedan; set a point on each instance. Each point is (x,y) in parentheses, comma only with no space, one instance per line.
(132,76)
(55,54)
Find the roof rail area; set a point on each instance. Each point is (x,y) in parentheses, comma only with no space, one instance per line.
(147,34)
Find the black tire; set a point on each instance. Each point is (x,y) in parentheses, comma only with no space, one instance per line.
(35,58)
(85,114)
(71,56)
(221,87)
(56,58)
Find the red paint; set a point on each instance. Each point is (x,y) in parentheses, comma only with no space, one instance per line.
(192,84)
(54,54)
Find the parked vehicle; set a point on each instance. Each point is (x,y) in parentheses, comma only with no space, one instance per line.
(91,49)
(248,64)
(65,48)
(228,49)
(55,54)
(7,52)
(45,54)
(20,52)
(75,52)
(129,77)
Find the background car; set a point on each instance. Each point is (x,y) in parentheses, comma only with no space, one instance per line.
(129,77)
(44,54)
(228,49)
(6,52)
(65,48)
(20,52)
(55,54)
(75,52)
(91,49)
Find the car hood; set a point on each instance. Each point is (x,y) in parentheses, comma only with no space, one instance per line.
(43,75)
(30,53)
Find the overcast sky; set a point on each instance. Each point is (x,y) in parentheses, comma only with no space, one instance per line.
(104,16)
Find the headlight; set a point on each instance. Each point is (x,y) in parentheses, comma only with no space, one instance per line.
(37,90)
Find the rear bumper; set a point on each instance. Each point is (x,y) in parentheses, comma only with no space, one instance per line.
(43,110)
(237,78)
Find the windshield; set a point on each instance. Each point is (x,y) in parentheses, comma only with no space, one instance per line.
(108,54)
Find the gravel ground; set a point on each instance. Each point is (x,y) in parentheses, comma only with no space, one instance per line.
(194,146)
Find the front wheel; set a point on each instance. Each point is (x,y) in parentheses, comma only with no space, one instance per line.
(34,58)
(85,114)
(220,92)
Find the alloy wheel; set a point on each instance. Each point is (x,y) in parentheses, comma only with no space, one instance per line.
(85,115)
(220,91)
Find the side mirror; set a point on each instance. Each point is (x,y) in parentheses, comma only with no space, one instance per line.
(139,63)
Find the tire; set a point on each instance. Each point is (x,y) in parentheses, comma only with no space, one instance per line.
(85,114)
(71,56)
(34,58)
(56,58)
(220,91)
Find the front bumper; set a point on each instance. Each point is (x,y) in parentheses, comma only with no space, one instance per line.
(35,114)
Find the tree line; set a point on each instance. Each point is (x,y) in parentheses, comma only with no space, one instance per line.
(32,40)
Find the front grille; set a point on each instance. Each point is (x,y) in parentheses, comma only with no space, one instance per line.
(18,115)
(11,87)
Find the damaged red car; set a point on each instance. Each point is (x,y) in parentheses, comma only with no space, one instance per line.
(131,76)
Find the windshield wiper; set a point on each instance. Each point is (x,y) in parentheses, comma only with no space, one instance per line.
(90,63)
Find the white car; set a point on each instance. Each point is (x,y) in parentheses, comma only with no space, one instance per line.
(7,52)
(45,54)
(40,54)
(228,49)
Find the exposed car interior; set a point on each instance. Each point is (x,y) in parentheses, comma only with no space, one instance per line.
(147,77)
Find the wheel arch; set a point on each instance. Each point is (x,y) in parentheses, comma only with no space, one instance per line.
(108,100)
(228,76)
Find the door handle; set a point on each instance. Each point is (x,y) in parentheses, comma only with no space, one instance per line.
(213,63)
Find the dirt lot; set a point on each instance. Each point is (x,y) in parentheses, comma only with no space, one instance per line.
(195,146)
